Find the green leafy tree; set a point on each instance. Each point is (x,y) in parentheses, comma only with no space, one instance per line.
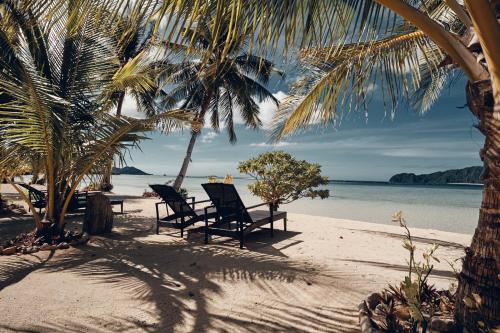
(58,73)
(281,179)
(217,78)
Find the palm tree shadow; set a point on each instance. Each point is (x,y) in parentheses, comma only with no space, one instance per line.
(177,278)
(15,269)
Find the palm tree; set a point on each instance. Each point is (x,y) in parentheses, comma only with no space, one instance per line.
(355,43)
(133,34)
(58,72)
(217,82)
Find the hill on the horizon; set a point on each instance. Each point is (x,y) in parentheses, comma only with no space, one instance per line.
(470,175)
(128,170)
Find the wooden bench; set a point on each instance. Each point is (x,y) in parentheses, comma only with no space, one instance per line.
(115,202)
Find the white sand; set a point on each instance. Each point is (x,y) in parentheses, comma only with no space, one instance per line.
(309,279)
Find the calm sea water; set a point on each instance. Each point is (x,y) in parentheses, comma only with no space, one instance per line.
(447,208)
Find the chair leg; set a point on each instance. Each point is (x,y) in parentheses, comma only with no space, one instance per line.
(272,228)
(242,240)
(182,232)
(121,206)
(157,227)
(206,229)
(284,223)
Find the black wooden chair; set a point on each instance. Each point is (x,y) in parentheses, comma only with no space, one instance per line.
(182,210)
(36,197)
(230,208)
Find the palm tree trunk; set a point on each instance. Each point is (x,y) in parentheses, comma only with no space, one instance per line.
(481,268)
(106,181)
(182,173)
(201,116)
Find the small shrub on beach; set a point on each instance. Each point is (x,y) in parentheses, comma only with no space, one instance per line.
(281,179)
(149,194)
(414,304)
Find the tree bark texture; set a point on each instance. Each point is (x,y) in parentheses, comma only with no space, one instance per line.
(98,215)
(481,268)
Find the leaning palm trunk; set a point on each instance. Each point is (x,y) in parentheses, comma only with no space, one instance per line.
(185,163)
(194,135)
(480,274)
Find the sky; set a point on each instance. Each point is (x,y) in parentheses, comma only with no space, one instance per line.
(360,148)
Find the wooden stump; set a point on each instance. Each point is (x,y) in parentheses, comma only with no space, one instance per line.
(98,215)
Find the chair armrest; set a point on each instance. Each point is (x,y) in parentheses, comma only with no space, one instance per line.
(202,201)
(259,205)
(206,209)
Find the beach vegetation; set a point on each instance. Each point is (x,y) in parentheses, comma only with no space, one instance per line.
(280,178)
(217,78)
(58,73)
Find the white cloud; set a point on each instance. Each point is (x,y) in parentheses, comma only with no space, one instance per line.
(209,137)
(267,110)
(276,145)
(129,108)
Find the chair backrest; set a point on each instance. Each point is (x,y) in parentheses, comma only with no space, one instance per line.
(227,201)
(173,199)
(34,194)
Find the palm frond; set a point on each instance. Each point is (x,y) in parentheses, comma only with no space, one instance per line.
(345,77)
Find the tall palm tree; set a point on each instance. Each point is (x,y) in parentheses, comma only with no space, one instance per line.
(58,72)
(354,43)
(133,34)
(217,82)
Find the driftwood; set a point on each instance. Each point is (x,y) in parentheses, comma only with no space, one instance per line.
(98,215)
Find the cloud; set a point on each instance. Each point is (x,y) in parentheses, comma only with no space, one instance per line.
(129,108)
(275,145)
(267,110)
(209,137)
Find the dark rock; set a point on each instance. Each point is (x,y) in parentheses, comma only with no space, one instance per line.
(191,294)
(9,250)
(62,246)
(47,247)
(85,238)
(444,325)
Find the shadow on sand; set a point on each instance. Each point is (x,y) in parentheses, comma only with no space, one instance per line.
(143,268)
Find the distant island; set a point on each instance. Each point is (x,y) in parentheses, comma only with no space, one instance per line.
(470,175)
(128,170)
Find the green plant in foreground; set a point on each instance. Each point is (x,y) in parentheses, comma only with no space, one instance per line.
(281,179)
(415,285)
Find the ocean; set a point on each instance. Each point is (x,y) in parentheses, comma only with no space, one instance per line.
(452,208)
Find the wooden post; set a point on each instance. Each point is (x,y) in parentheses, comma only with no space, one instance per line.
(98,215)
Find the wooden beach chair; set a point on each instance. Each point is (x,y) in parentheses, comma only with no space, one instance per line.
(230,208)
(36,197)
(184,213)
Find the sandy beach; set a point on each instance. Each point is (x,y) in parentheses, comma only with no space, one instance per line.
(308,279)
